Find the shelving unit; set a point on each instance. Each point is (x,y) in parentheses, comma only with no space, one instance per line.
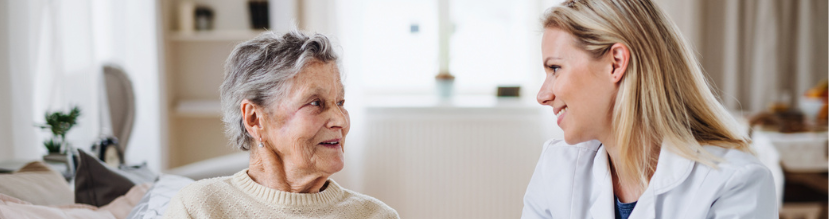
(194,64)
(198,109)
(214,36)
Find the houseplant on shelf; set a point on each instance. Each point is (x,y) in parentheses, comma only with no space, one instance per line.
(59,124)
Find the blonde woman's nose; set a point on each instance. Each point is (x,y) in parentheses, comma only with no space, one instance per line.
(545,95)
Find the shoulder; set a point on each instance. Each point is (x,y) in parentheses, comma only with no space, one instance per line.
(367,206)
(203,189)
(739,186)
(737,169)
(195,197)
(737,163)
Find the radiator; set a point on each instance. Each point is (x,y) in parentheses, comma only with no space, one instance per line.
(452,162)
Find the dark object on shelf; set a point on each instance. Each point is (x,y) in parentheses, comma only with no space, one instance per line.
(109,151)
(509,91)
(258,14)
(204,18)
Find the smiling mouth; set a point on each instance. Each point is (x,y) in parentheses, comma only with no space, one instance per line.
(562,111)
(331,143)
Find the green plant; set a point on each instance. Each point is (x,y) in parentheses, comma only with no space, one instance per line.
(52,146)
(59,124)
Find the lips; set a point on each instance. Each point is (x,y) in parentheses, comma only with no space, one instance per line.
(332,143)
(560,112)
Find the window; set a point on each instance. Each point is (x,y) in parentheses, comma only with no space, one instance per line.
(391,46)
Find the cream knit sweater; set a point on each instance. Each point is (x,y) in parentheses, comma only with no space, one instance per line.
(238,196)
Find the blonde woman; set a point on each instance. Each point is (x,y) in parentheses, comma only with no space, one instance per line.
(644,137)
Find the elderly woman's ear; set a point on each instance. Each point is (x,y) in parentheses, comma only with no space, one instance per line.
(252,115)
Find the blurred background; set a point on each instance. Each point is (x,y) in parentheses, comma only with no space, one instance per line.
(441,92)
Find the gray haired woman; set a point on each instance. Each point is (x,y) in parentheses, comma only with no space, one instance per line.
(282,99)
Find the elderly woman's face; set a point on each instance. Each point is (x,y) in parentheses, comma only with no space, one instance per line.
(307,128)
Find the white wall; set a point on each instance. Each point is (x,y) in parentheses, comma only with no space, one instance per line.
(6,141)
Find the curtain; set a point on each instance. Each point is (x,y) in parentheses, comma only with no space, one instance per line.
(56,51)
(761,51)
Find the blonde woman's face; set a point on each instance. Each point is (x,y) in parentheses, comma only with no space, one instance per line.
(578,86)
(307,129)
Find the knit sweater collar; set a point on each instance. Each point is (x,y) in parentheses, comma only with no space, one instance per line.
(330,195)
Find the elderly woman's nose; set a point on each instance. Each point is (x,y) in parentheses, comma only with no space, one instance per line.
(545,95)
(338,119)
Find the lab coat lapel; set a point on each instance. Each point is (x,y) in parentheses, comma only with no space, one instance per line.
(645,207)
(603,201)
(671,170)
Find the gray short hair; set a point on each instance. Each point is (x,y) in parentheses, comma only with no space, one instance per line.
(260,70)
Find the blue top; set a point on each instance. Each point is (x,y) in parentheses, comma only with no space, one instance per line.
(623,209)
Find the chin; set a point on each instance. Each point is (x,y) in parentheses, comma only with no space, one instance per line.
(572,140)
(334,167)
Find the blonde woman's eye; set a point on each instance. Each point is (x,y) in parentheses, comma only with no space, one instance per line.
(555,68)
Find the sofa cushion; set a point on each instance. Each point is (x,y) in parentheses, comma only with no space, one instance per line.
(11,207)
(36,183)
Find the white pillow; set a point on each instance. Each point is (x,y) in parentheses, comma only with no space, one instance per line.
(155,201)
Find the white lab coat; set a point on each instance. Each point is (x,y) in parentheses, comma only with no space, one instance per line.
(573,181)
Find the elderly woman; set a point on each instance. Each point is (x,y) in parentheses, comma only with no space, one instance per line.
(644,136)
(282,99)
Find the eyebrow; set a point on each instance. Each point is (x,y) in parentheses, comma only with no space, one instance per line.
(317,91)
(552,58)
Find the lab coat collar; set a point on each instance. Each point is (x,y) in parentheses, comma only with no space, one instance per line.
(671,170)
(602,206)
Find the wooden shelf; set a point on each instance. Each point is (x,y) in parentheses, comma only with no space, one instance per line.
(198,109)
(214,35)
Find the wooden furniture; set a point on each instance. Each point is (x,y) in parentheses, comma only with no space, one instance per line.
(194,69)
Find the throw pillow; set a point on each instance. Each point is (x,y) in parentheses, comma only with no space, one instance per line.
(38,184)
(97,184)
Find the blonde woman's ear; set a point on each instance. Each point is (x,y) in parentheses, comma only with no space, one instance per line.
(620,55)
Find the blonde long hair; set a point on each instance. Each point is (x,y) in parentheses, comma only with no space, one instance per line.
(664,98)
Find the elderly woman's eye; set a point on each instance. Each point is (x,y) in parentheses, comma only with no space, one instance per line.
(341,103)
(316,103)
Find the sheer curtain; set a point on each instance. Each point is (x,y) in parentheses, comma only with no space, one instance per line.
(56,50)
(34,72)
(760,51)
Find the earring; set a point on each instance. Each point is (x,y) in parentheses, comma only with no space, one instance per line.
(260,143)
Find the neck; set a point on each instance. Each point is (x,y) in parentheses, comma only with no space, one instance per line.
(626,188)
(268,169)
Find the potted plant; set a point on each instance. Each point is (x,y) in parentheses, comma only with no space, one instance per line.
(59,123)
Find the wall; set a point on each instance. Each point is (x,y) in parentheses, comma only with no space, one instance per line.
(451,162)
(6,141)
